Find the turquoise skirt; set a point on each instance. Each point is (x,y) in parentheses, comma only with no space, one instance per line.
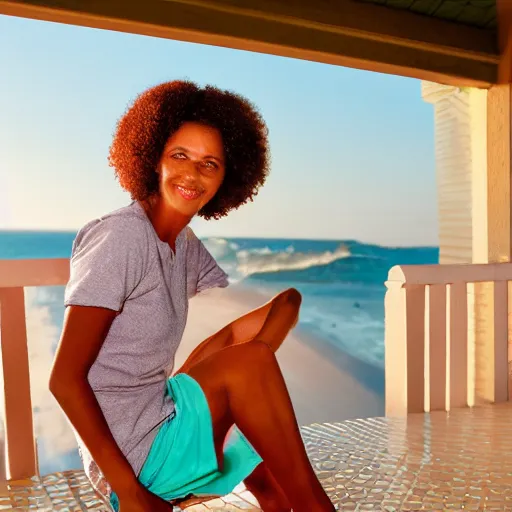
(182,460)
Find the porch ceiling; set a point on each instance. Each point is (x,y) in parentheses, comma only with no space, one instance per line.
(477,13)
(412,41)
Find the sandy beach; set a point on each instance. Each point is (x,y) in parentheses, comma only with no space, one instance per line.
(325,384)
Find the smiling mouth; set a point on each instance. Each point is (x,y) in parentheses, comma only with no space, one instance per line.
(188,193)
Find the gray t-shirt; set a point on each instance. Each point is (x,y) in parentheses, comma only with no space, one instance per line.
(118,262)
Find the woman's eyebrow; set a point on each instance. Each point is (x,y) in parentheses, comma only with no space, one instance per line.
(179,148)
(213,157)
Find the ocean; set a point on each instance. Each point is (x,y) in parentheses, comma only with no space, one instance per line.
(342,284)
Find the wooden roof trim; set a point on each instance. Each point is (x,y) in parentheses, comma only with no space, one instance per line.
(344,32)
(504,8)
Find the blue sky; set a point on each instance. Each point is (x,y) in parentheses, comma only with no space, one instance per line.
(352,151)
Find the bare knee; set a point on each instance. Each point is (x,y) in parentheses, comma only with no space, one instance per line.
(236,361)
(256,354)
(250,366)
(234,372)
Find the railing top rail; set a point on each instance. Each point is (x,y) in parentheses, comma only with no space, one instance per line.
(40,272)
(449,274)
(55,272)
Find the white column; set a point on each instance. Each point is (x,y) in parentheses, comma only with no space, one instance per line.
(460,120)
(454,170)
(473,136)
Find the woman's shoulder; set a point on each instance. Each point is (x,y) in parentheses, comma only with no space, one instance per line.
(190,235)
(192,244)
(195,245)
(123,225)
(110,258)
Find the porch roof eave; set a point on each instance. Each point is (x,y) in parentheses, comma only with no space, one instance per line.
(347,33)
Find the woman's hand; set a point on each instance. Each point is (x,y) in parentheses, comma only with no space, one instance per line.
(141,500)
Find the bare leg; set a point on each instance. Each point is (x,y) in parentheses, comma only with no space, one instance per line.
(285,309)
(244,385)
(248,326)
(262,484)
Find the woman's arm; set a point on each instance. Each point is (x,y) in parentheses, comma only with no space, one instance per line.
(85,329)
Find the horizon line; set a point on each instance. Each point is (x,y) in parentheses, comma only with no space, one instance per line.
(341,240)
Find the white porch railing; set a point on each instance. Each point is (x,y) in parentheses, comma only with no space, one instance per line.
(426,342)
(426,335)
(21,457)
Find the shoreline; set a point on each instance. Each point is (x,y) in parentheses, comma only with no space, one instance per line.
(325,383)
(368,375)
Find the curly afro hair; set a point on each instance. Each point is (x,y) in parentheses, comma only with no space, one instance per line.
(159,112)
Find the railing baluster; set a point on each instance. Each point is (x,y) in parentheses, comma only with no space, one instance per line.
(415,327)
(501,341)
(509,355)
(458,333)
(395,355)
(19,430)
(437,347)
(405,346)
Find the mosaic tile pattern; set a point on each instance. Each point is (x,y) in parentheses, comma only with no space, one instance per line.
(456,461)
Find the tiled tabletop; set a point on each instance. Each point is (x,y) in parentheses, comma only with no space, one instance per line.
(456,461)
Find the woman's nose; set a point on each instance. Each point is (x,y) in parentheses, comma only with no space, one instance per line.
(192,170)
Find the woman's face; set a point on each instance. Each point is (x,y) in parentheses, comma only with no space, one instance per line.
(192,168)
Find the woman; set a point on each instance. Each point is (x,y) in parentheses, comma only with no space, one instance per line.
(226,415)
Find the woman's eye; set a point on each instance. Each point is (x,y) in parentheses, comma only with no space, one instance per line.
(179,156)
(211,165)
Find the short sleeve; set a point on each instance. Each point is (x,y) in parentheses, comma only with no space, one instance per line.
(210,274)
(107,263)
(203,271)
